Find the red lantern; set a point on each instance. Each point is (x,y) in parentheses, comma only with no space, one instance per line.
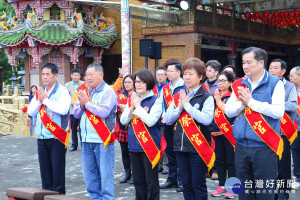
(292,15)
(266,14)
(262,16)
(293,23)
(276,14)
(24,109)
(257,15)
(254,17)
(297,13)
(247,15)
(286,13)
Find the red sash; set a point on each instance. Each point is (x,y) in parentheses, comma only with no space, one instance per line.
(155,91)
(122,99)
(147,143)
(224,125)
(100,127)
(58,132)
(167,94)
(205,88)
(195,136)
(259,125)
(289,128)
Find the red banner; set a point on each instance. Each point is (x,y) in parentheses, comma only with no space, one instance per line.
(58,132)
(259,125)
(195,136)
(167,94)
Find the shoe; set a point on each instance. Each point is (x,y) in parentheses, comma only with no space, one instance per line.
(296,185)
(160,169)
(131,180)
(229,196)
(167,185)
(165,171)
(126,178)
(214,176)
(220,191)
(73,148)
(179,189)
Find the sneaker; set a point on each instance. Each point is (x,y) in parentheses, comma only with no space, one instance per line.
(220,191)
(214,176)
(229,196)
(296,185)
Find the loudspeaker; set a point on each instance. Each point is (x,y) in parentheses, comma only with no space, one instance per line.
(146,47)
(157,50)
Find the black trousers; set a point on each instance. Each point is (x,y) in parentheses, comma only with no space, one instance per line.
(145,178)
(74,125)
(224,158)
(256,168)
(125,156)
(52,159)
(284,170)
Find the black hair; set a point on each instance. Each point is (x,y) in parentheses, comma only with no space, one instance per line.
(131,76)
(229,66)
(75,70)
(259,54)
(32,87)
(177,64)
(229,76)
(53,67)
(214,64)
(161,68)
(282,62)
(147,77)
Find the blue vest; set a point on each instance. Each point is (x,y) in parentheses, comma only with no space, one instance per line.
(61,120)
(88,133)
(133,143)
(242,131)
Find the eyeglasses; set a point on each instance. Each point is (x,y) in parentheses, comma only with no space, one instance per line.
(169,71)
(139,82)
(160,74)
(222,81)
(128,82)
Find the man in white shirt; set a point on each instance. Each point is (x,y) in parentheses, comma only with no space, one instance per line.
(52,110)
(255,161)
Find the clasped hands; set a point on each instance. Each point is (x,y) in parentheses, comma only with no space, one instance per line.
(83,98)
(135,101)
(244,95)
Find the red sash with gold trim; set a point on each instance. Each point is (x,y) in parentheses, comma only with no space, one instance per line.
(298,107)
(259,125)
(100,127)
(155,91)
(224,125)
(195,136)
(167,94)
(145,139)
(122,99)
(58,132)
(289,128)
(205,88)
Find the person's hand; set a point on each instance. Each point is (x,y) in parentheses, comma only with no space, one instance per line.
(245,95)
(132,106)
(42,94)
(135,100)
(122,107)
(217,96)
(122,72)
(83,97)
(163,118)
(183,99)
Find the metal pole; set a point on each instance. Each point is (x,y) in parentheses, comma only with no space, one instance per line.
(125,26)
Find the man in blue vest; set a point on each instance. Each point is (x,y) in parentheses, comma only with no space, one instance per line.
(51,152)
(256,163)
(278,68)
(97,161)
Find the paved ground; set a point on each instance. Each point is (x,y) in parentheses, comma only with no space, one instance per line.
(19,167)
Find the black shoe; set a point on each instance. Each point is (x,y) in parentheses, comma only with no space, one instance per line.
(179,189)
(167,185)
(73,148)
(126,178)
(131,180)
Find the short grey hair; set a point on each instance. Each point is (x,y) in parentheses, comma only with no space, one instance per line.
(98,67)
(297,70)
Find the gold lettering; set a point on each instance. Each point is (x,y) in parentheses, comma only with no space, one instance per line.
(134,120)
(217,113)
(142,136)
(94,119)
(223,126)
(248,110)
(43,111)
(122,96)
(49,126)
(167,92)
(196,139)
(257,125)
(283,121)
(186,120)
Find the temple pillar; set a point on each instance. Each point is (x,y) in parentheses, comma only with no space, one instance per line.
(125,29)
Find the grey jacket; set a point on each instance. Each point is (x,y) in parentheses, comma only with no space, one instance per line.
(70,88)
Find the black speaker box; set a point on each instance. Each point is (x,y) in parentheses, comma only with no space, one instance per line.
(146,47)
(157,50)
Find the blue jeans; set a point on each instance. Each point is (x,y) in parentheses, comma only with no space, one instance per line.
(32,124)
(192,170)
(98,170)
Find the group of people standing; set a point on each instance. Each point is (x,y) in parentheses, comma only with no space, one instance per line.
(208,119)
